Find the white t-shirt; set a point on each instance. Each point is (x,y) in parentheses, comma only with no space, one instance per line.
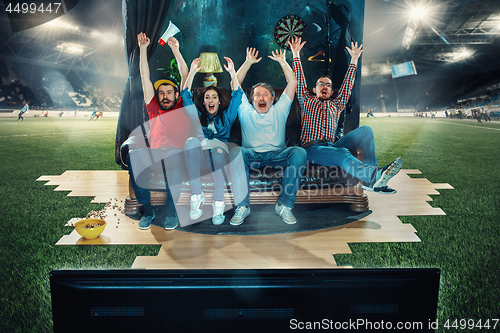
(264,131)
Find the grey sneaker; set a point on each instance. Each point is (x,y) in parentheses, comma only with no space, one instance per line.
(145,222)
(239,215)
(218,217)
(197,201)
(285,213)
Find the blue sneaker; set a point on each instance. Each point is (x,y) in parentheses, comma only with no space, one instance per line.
(218,216)
(171,221)
(145,222)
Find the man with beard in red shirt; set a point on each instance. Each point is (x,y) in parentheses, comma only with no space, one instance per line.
(169,130)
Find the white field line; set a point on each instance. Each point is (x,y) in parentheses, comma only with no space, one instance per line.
(445,122)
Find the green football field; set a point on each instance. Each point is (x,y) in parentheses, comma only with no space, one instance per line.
(463,243)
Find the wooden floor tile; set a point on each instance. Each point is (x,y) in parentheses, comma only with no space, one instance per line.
(183,250)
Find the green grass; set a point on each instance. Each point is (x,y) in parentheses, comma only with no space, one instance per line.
(33,215)
(463,244)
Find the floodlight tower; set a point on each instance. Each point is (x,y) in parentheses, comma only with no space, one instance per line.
(416,14)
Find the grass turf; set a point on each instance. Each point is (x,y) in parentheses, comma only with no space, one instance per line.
(33,215)
(463,244)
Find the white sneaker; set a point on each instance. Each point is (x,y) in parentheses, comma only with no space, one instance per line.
(239,215)
(197,201)
(218,217)
(285,213)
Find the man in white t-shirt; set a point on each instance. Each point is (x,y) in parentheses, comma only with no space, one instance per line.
(263,145)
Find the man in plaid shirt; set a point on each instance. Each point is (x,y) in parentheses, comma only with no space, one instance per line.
(320,113)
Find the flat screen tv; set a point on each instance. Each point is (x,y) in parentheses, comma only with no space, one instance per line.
(361,300)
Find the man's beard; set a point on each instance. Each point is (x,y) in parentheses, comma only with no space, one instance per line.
(170,107)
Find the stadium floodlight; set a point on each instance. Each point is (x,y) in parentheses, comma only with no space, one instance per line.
(410,33)
(365,71)
(418,13)
(73,48)
(58,24)
(461,54)
(106,37)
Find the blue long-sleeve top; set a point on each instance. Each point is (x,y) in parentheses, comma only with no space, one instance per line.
(222,129)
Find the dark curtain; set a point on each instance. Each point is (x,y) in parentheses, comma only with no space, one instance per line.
(138,16)
(341,15)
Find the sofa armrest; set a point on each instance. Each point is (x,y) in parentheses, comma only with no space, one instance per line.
(133,142)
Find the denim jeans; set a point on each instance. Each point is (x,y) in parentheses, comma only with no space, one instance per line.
(292,160)
(338,153)
(143,160)
(198,160)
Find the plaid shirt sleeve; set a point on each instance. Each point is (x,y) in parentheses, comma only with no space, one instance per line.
(302,92)
(345,89)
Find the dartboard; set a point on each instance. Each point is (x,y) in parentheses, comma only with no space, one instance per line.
(288,27)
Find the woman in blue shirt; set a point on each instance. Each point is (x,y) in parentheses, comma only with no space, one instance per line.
(210,151)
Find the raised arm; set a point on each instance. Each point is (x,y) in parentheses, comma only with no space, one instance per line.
(355,52)
(296,45)
(181,63)
(147,86)
(234,106)
(195,68)
(280,57)
(346,87)
(187,99)
(251,59)
(235,84)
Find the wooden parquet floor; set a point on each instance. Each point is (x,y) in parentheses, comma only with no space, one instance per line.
(182,250)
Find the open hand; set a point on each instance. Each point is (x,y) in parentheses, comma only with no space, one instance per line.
(278,55)
(230,65)
(252,55)
(296,45)
(355,51)
(195,65)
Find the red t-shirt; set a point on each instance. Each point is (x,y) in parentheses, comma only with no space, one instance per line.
(167,128)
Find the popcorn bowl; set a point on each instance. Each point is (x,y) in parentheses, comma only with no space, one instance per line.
(90,228)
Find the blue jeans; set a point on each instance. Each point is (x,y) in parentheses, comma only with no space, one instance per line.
(198,160)
(338,153)
(292,160)
(142,160)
